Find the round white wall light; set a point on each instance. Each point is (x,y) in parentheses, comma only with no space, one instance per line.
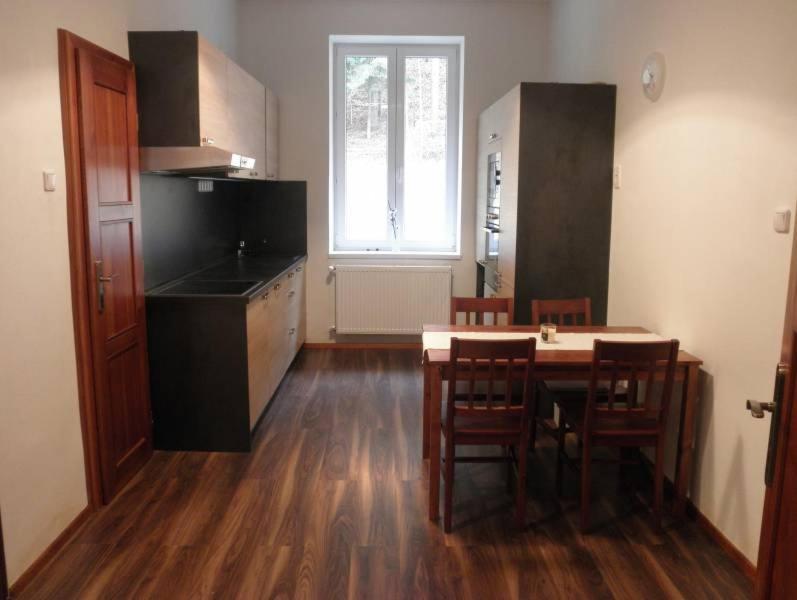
(654,73)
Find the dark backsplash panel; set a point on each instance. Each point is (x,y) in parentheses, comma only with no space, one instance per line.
(273,217)
(184,230)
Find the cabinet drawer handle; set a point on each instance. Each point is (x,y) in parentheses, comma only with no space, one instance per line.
(290,275)
(292,330)
(298,269)
(264,296)
(291,294)
(277,286)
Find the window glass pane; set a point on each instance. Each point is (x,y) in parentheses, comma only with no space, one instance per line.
(425,149)
(366,147)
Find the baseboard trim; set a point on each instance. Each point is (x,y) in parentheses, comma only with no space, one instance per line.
(736,555)
(363,346)
(49,553)
(711,530)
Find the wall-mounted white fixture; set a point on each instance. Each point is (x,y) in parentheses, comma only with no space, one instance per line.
(49,181)
(654,74)
(782,220)
(617,177)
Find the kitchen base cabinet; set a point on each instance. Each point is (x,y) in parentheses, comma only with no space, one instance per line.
(215,363)
(275,334)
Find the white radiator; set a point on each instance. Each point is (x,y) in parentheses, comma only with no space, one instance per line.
(390,300)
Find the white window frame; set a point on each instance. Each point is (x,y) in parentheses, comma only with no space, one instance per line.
(396,49)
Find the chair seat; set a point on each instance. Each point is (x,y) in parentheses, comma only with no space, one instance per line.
(581,386)
(484,426)
(572,410)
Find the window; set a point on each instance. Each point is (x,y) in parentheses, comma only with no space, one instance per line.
(395,148)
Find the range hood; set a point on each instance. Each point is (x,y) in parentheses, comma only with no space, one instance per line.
(194,160)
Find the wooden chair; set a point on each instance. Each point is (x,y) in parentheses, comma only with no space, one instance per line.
(492,418)
(578,311)
(634,420)
(571,311)
(481,307)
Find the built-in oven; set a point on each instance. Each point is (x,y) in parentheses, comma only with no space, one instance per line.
(492,224)
(493,212)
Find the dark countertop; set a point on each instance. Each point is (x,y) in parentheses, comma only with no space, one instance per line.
(261,271)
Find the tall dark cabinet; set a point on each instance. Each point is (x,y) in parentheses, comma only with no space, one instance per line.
(544,199)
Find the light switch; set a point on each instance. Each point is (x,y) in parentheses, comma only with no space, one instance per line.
(49,181)
(782,220)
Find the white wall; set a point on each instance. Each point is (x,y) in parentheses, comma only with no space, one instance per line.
(42,480)
(216,20)
(286,45)
(693,251)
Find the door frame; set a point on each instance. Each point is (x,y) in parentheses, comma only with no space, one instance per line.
(772,498)
(3,573)
(68,44)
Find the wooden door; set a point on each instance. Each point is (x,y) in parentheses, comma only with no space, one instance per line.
(3,574)
(106,97)
(777,554)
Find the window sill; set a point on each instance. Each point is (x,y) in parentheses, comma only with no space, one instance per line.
(408,255)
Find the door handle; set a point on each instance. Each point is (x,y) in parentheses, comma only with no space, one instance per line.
(101,281)
(757,409)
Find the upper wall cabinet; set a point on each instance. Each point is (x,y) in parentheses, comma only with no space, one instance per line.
(272,135)
(199,111)
(213,97)
(246,117)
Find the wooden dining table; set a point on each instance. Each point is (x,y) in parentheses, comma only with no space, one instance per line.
(556,361)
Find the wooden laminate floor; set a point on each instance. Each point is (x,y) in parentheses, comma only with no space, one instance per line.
(331,503)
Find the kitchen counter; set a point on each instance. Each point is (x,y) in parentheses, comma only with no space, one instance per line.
(220,341)
(259,271)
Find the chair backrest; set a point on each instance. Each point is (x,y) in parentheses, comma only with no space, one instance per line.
(577,310)
(630,364)
(498,363)
(481,307)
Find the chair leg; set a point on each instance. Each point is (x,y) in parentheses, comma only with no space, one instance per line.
(534,419)
(560,449)
(508,455)
(658,486)
(523,459)
(623,478)
(449,483)
(586,468)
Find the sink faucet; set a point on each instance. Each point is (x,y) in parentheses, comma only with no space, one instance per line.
(241,246)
